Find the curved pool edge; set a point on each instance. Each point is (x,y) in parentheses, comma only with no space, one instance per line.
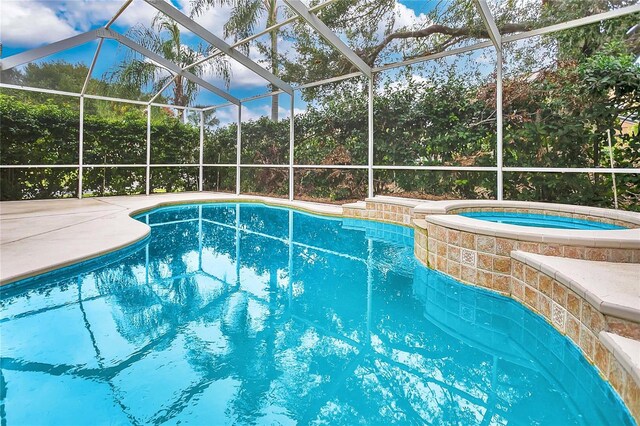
(67,246)
(319,209)
(64,244)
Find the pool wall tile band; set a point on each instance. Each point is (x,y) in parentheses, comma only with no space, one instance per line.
(401,215)
(486,261)
(575,317)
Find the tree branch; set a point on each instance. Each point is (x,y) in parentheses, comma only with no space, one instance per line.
(371,54)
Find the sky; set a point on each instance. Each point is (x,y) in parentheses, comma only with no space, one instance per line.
(26,24)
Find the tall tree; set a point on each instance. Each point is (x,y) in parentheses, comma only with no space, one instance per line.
(245,16)
(164,38)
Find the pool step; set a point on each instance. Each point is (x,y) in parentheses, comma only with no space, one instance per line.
(612,288)
(596,305)
(625,350)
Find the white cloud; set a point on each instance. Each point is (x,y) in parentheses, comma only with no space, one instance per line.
(213,19)
(30,24)
(229,114)
(251,114)
(90,13)
(405,17)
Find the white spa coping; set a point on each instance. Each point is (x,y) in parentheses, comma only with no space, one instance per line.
(398,201)
(38,236)
(446,206)
(361,205)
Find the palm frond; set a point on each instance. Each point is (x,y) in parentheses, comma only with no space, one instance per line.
(164,38)
(243,19)
(199,6)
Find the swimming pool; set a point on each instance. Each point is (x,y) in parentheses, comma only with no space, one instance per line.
(541,220)
(241,313)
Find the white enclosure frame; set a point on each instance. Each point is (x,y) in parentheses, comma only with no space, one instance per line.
(307,14)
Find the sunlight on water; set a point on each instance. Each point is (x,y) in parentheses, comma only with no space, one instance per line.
(247,314)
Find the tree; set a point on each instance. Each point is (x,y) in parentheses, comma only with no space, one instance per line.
(164,38)
(245,15)
(372,29)
(56,75)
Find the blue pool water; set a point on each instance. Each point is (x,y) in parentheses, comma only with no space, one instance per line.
(541,220)
(247,314)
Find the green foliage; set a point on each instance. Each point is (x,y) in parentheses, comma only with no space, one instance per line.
(56,75)
(42,134)
(48,134)
(562,117)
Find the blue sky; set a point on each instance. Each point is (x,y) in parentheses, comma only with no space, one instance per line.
(26,24)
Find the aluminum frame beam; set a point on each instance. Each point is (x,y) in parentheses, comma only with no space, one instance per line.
(623,11)
(165,87)
(499,126)
(370,187)
(292,136)
(81,148)
(218,43)
(103,98)
(118,13)
(238,149)
(295,88)
(166,64)
(49,49)
(91,67)
(201,157)
(496,39)
(600,170)
(490,23)
(298,7)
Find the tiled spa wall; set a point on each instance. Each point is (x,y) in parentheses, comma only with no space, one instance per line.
(490,254)
(486,261)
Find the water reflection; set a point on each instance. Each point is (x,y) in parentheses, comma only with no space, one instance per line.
(248,314)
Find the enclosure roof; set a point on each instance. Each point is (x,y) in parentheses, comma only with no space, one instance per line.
(301,12)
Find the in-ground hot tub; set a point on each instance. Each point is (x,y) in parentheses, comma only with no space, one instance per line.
(541,220)
(452,239)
